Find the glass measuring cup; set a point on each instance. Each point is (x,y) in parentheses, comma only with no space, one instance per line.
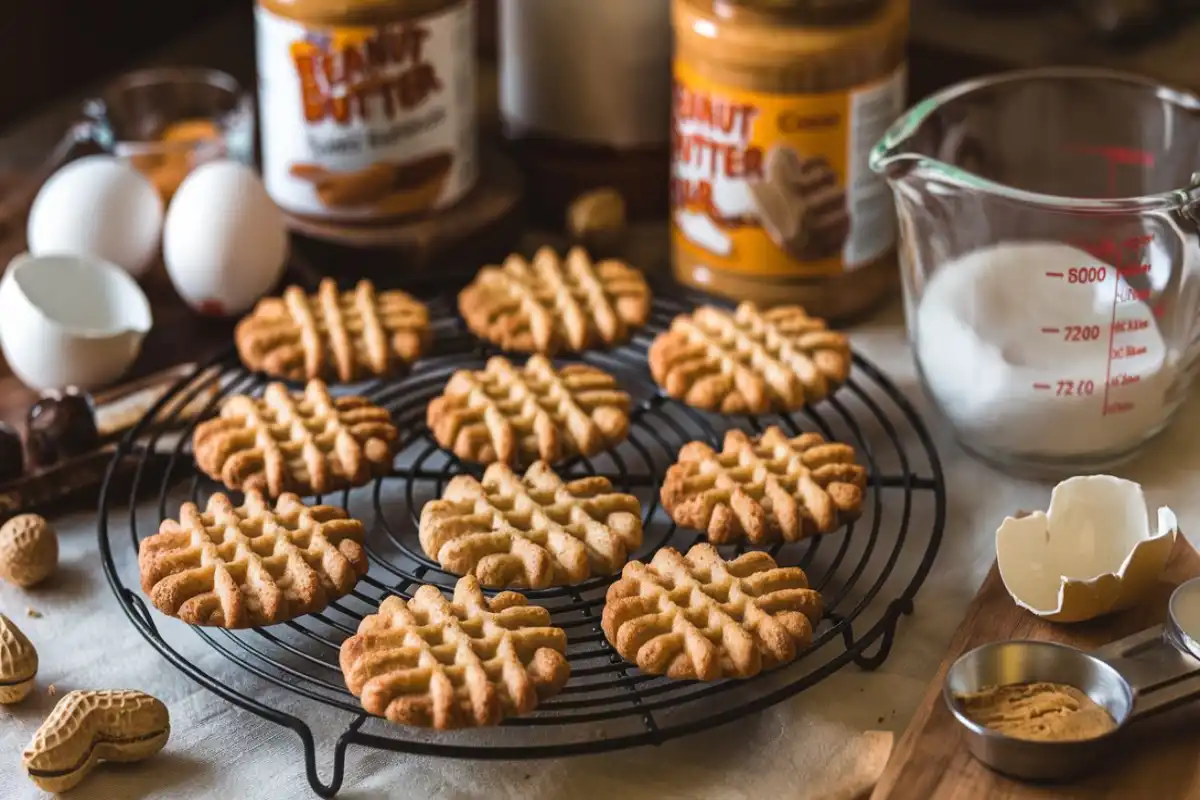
(1050,263)
(1151,671)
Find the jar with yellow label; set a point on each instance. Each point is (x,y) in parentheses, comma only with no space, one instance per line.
(777,105)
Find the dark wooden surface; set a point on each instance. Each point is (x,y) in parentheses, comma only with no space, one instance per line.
(49,47)
(1159,758)
(1044,34)
(431,250)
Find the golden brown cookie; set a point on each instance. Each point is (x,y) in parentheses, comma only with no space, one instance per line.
(251,565)
(555,304)
(765,489)
(533,531)
(343,336)
(460,663)
(518,415)
(700,617)
(308,443)
(749,361)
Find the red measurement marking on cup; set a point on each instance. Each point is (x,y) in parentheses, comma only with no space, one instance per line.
(1128,294)
(1115,155)
(1130,325)
(1123,379)
(1127,351)
(1071,388)
(1087,275)
(1119,252)
(1081,333)
(1117,407)
(1054,275)
(1074,388)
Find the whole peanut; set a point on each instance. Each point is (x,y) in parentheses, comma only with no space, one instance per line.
(597,219)
(18,663)
(87,727)
(28,550)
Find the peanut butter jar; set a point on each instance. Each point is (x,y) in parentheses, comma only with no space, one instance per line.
(367,107)
(777,104)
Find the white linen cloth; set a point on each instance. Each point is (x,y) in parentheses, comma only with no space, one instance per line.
(792,750)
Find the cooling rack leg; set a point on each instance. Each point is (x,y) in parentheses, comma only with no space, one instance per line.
(339,758)
(895,610)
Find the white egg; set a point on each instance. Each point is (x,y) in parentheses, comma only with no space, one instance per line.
(225,242)
(98,206)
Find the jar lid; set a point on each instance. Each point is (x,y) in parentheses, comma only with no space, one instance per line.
(796,11)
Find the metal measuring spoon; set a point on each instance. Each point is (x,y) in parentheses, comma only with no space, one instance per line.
(1151,671)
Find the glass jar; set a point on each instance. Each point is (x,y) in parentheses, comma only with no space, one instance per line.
(585,98)
(367,107)
(777,105)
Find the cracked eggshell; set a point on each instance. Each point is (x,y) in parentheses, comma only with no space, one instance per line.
(1091,554)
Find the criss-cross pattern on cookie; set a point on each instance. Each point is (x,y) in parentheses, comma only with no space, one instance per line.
(332,334)
(749,361)
(310,443)
(457,663)
(518,415)
(701,617)
(254,564)
(555,304)
(765,489)
(534,532)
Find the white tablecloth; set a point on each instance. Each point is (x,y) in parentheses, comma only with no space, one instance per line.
(794,750)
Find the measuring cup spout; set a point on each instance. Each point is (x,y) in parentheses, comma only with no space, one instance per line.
(897,154)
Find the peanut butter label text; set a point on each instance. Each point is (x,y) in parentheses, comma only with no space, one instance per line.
(376,77)
(711,137)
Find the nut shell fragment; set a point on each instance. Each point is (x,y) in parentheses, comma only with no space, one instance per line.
(28,550)
(597,218)
(87,727)
(18,663)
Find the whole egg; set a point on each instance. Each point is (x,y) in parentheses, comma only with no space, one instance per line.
(225,243)
(98,206)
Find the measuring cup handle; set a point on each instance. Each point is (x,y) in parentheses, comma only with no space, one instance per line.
(1161,673)
(14,207)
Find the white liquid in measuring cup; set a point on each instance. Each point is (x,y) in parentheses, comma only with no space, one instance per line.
(1042,349)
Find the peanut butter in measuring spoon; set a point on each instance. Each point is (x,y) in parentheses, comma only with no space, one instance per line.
(367,106)
(777,105)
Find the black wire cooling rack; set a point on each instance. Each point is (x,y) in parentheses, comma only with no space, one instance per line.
(868,573)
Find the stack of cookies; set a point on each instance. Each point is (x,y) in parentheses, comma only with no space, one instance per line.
(487,653)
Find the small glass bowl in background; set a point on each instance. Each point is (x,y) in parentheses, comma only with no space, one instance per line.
(166,121)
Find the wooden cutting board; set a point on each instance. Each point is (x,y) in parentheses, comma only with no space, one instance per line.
(1159,759)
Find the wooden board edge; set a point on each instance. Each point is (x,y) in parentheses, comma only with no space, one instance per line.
(958,642)
(1183,564)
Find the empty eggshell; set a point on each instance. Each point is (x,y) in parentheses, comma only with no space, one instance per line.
(98,206)
(225,242)
(1092,553)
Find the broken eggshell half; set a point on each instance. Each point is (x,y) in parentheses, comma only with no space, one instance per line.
(1091,554)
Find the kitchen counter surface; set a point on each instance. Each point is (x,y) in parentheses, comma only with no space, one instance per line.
(798,749)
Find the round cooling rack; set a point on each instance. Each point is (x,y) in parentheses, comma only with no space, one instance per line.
(868,573)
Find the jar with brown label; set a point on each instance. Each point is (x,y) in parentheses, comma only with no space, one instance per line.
(777,105)
(367,107)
